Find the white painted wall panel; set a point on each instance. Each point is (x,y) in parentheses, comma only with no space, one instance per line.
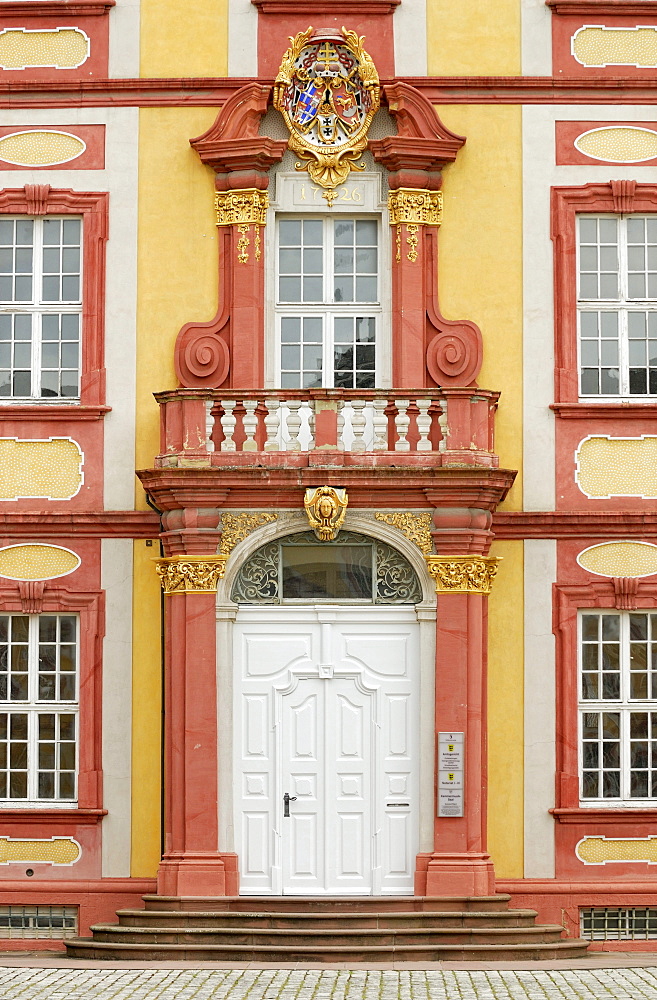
(540,173)
(116,580)
(243,38)
(540,713)
(410,28)
(124,39)
(119,178)
(536,21)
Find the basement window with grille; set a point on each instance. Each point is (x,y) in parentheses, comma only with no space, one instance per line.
(31,922)
(619,923)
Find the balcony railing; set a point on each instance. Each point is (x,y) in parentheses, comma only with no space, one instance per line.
(202,427)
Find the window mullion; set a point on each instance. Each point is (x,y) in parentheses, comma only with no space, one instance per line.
(37,299)
(33,716)
(624,709)
(327,320)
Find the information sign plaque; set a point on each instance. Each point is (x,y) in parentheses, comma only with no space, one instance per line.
(451,747)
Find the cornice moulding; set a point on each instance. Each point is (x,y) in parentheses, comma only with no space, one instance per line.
(356,8)
(596,8)
(58,8)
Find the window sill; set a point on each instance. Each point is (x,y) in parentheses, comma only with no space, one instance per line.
(64,816)
(51,411)
(614,815)
(587,410)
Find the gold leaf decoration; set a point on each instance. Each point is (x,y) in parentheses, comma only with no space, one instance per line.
(416,527)
(469,574)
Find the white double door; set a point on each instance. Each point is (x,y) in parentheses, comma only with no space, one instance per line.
(326,711)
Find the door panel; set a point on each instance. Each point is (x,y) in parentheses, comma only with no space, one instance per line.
(343,743)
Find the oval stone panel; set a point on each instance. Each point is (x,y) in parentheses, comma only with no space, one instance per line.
(37,561)
(621,144)
(630,559)
(40,148)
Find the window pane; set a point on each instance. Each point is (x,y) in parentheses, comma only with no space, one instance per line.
(343,572)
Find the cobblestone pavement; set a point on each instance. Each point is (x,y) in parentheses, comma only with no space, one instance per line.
(286,984)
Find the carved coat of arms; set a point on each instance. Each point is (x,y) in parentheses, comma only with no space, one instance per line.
(327,90)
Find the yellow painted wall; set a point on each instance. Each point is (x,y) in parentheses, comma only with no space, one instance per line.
(474,38)
(190,42)
(506,713)
(146,716)
(177,256)
(480,258)
(176,283)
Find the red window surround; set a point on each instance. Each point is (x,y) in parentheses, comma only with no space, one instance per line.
(41,199)
(620,197)
(623,594)
(33,598)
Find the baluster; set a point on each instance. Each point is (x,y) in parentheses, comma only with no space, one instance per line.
(423,424)
(312,404)
(380,423)
(402,421)
(209,425)
(250,422)
(293,423)
(272,420)
(342,403)
(442,423)
(358,423)
(228,422)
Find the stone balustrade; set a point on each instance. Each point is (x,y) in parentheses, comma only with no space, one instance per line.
(383,426)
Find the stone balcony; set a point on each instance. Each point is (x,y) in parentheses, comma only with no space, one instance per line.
(428,428)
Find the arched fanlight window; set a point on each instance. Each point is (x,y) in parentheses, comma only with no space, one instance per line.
(353,569)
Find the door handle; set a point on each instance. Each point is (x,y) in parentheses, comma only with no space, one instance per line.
(287,798)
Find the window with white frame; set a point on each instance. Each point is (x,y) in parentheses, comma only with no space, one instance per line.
(40,307)
(618,706)
(328,302)
(38,708)
(617,305)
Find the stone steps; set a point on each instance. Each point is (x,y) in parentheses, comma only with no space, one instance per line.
(290,929)
(322,921)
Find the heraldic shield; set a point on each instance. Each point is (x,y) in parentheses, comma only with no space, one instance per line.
(327,90)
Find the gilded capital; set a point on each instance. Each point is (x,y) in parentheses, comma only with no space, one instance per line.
(241,207)
(191,574)
(470,574)
(416,527)
(415,206)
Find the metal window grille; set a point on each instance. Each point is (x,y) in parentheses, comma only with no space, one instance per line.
(32,922)
(618,923)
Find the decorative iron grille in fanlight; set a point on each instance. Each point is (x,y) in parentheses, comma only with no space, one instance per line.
(358,570)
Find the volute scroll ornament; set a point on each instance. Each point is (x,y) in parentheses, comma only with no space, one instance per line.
(327,90)
(326,509)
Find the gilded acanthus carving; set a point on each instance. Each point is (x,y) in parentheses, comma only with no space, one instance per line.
(327,90)
(326,509)
(416,527)
(469,574)
(236,527)
(415,206)
(244,207)
(191,574)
